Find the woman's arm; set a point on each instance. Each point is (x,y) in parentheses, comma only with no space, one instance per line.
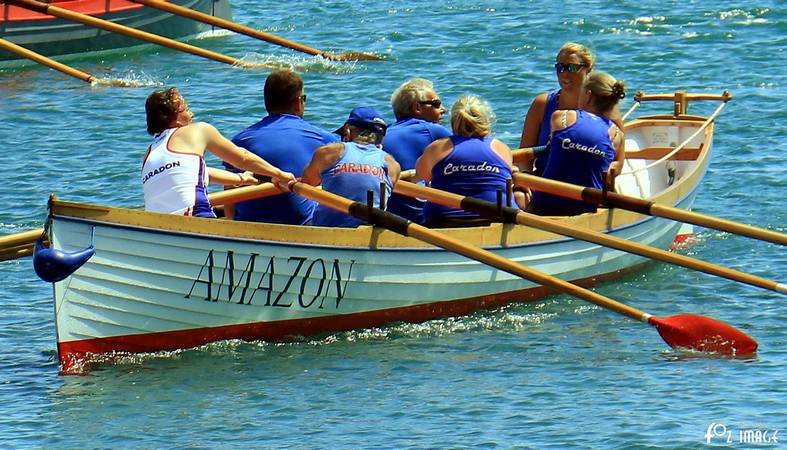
(227,178)
(432,154)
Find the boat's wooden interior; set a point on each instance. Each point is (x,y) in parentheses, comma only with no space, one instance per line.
(667,182)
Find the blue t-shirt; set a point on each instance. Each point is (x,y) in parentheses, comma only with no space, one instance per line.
(360,168)
(580,154)
(472,169)
(405,141)
(288,142)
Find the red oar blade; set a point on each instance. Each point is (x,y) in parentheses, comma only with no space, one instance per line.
(703,334)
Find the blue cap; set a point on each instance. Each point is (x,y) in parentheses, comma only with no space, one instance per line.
(367,118)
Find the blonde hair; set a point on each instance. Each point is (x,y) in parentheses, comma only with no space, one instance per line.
(584,53)
(411,91)
(607,91)
(472,116)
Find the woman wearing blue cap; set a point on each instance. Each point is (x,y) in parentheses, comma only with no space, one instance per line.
(354,167)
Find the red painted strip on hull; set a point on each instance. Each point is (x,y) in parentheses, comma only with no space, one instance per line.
(74,355)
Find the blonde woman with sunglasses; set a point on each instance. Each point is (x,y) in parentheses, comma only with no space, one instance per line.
(572,65)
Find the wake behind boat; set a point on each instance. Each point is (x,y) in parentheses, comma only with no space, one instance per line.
(52,36)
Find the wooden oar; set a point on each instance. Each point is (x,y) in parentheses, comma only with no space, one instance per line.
(513,215)
(232,26)
(615,200)
(52,64)
(684,330)
(19,245)
(527,153)
(67,14)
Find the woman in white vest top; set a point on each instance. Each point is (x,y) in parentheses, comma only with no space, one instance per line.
(174,175)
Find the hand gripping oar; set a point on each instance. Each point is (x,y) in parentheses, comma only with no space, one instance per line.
(683,331)
(19,245)
(615,200)
(232,26)
(513,215)
(63,13)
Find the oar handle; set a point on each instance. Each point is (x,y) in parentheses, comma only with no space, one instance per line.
(527,153)
(244,193)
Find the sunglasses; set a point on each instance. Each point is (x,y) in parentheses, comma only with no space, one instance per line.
(436,103)
(570,68)
(303,97)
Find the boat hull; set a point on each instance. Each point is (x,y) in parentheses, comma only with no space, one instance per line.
(52,36)
(162,282)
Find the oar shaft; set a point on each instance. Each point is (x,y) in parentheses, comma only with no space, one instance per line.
(490,210)
(232,26)
(243,193)
(43,60)
(63,13)
(19,245)
(615,200)
(404,227)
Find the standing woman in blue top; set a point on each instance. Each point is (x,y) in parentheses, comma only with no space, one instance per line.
(471,162)
(573,63)
(584,144)
(352,168)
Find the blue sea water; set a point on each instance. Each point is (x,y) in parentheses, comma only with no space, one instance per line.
(556,374)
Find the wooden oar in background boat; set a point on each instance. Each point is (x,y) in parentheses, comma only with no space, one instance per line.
(52,64)
(19,245)
(615,200)
(513,215)
(232,26)
(63,13)
(681,331)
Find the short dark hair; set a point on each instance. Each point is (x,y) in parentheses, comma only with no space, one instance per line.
(282,87)
(161,108)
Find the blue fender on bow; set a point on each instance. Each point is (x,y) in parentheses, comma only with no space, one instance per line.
(55,265)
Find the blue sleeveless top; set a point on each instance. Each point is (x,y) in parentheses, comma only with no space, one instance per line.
(405,141)
(471,169)
(360,168)
(288,142)
(580,154)
(540,161)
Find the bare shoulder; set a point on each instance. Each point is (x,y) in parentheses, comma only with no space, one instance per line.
(563,118)
(329,153)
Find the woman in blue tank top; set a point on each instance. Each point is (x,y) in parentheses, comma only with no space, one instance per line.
(585,143)
(470,163)
(573,63)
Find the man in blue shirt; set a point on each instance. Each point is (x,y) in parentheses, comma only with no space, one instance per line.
(287,141)
(418,110)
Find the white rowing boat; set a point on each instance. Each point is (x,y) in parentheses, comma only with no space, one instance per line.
(161,282)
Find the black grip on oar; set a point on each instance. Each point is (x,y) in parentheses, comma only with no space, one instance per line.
(489,210)
(379,217)
(615,200)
